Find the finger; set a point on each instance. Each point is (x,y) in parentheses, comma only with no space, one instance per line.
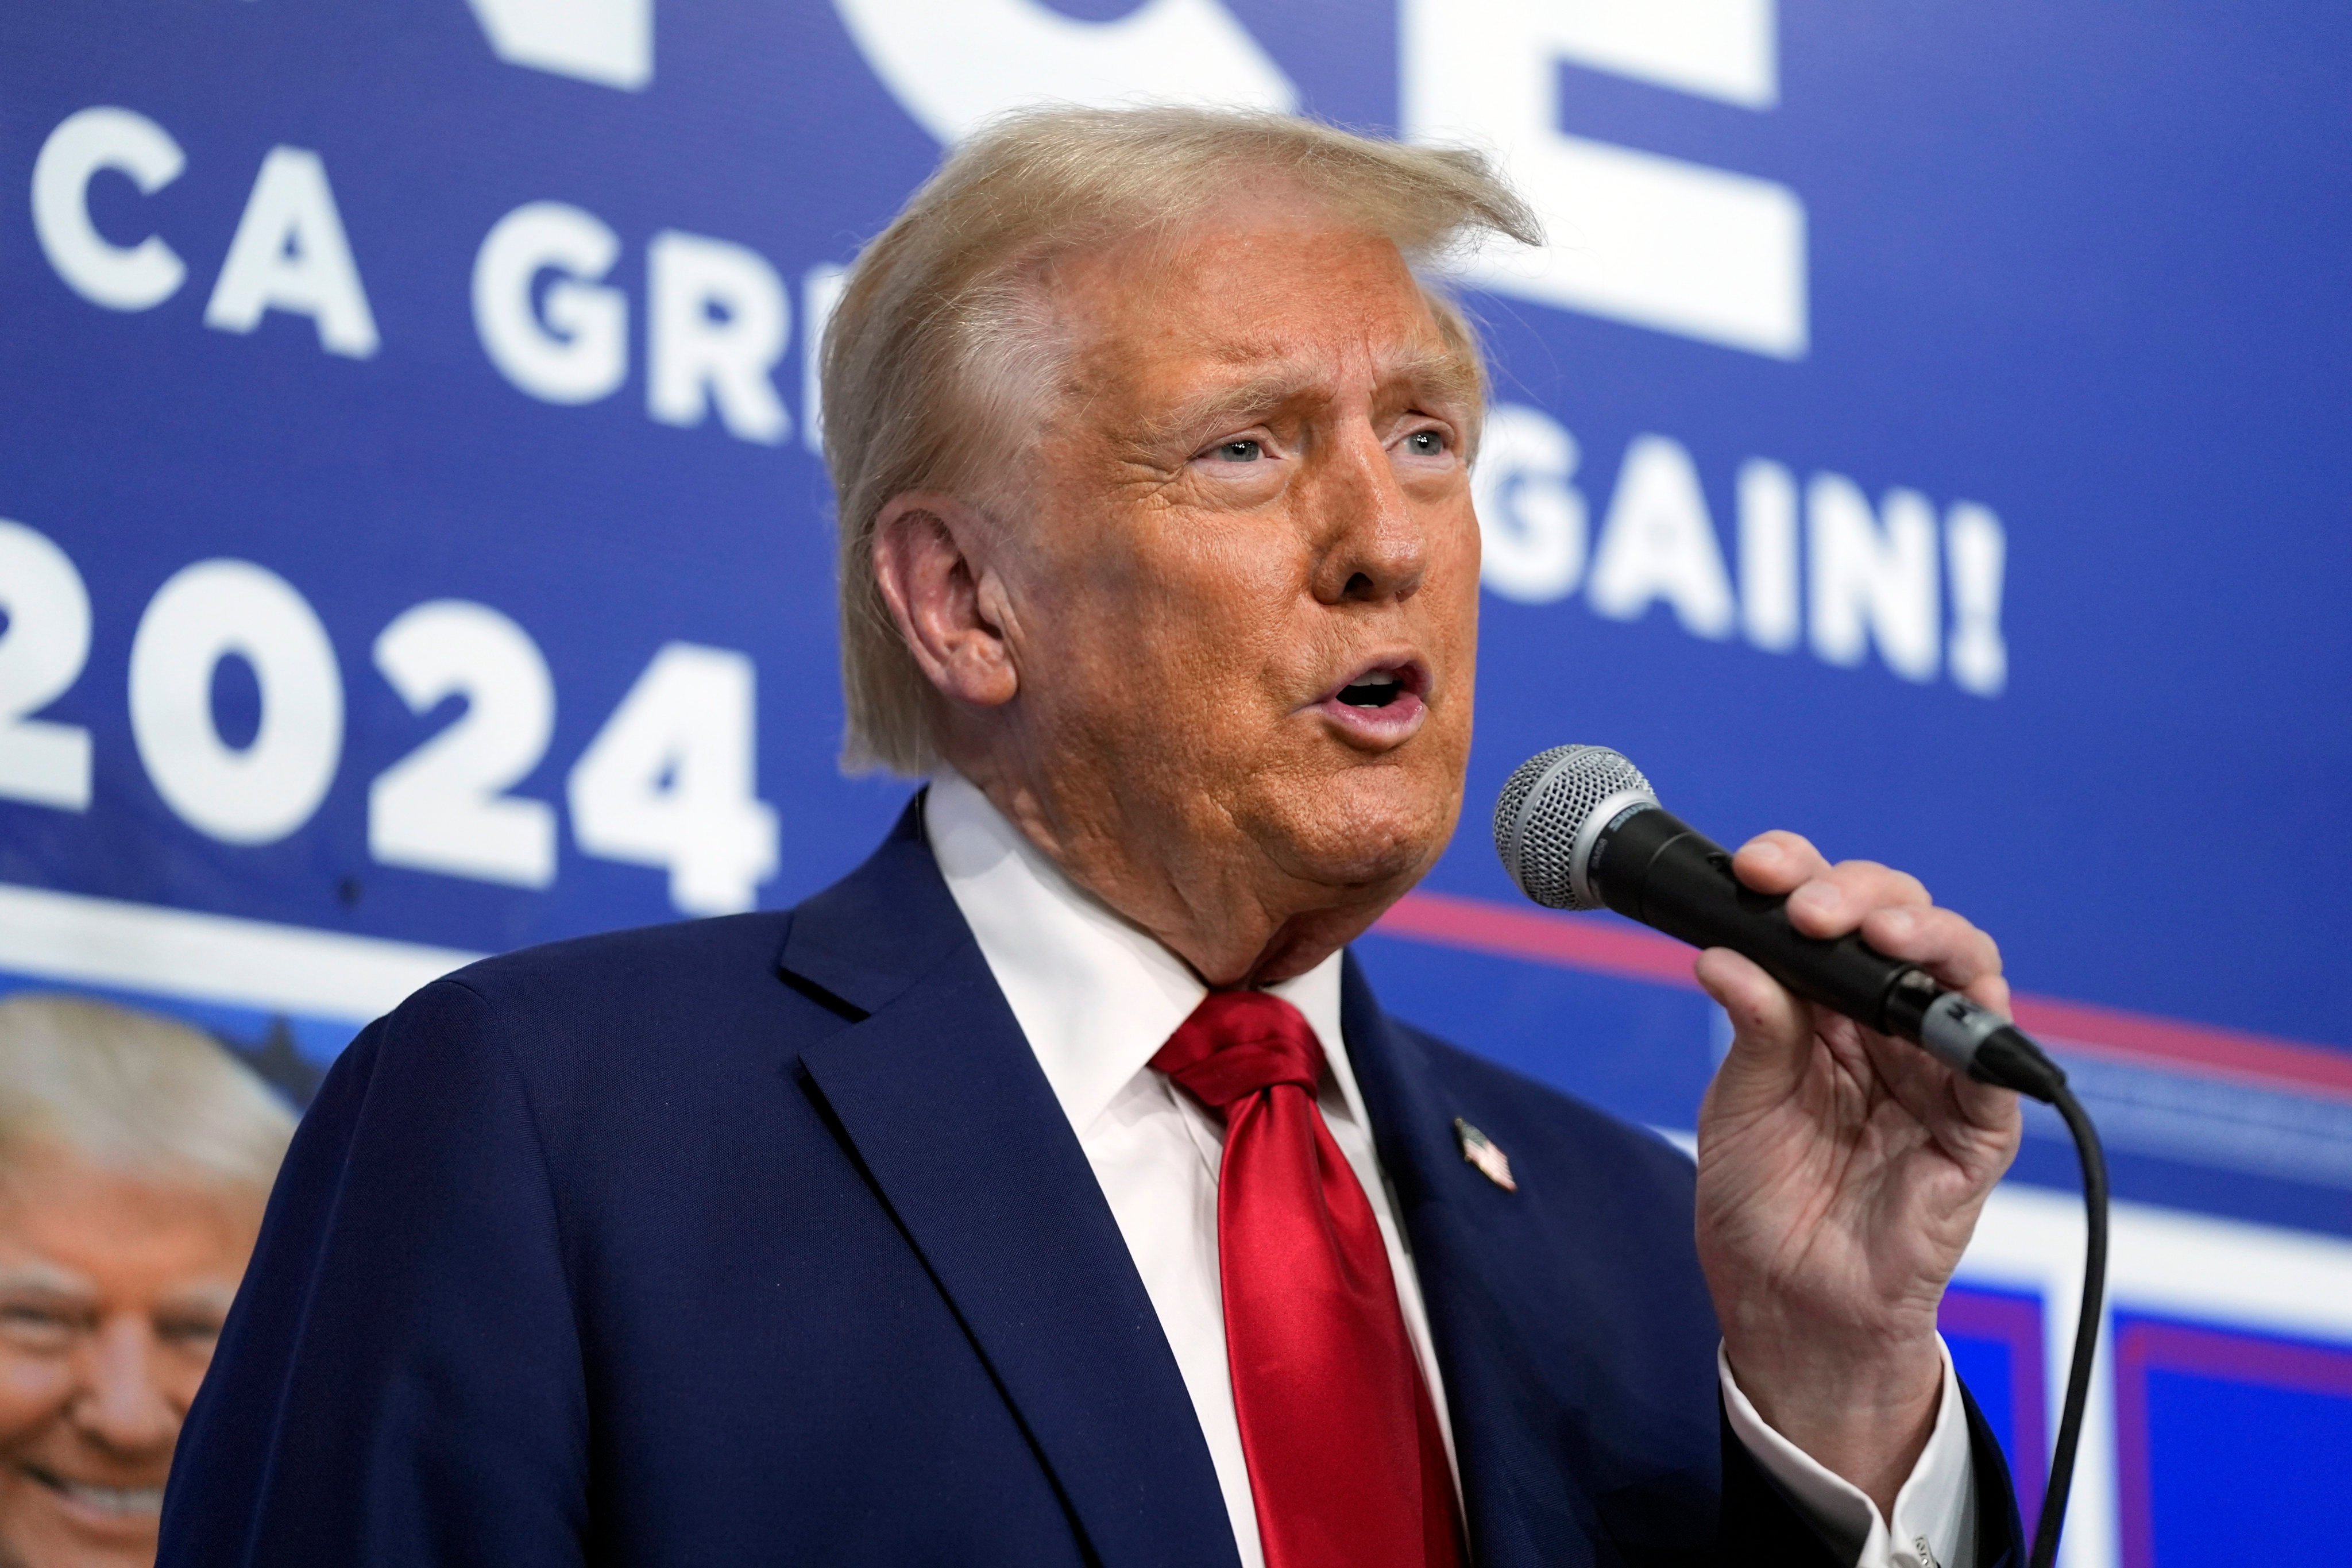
(1778,862)
(1941,941)
(1836,902)
(1963,1115)
(1991,1109)
(1992,989)
(1771,1031)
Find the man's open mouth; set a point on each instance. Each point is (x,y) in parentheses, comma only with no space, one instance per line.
(118,1503)
(1377,690)
(1383,685)
(1380,705)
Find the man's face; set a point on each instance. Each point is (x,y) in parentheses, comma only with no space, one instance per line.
(112,1294)
(1245,597)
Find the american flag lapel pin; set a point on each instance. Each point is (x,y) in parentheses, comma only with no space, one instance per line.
(1483,1153)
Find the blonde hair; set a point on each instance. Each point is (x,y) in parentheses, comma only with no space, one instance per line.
(939,334)
(135,1092)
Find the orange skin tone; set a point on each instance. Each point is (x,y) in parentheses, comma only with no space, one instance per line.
(112,1294)
(1132,666)
(1247,483)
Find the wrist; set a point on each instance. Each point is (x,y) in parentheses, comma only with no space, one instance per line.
(1864,1413)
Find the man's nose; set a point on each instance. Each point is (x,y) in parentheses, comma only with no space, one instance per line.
(119,1404)
(1374,548)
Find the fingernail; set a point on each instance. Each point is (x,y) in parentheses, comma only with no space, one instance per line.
(1900,922)
(1768,853)
(1815,899)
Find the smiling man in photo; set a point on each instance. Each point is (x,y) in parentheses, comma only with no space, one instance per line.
(135,1155)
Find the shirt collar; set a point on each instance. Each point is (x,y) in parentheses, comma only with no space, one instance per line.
(1097,995)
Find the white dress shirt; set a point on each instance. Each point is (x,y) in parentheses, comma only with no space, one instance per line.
(1097,998)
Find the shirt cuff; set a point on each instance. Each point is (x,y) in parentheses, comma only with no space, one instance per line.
(1934,1522)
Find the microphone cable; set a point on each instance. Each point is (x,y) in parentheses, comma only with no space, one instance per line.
(2087,1324)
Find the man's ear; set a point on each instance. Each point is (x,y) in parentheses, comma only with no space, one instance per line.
(929,562)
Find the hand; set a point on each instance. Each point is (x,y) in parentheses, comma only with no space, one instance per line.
(1841,1172)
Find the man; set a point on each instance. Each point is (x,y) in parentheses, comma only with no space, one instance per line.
(135,1156)
(1052,1189)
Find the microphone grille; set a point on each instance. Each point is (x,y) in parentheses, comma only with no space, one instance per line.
(1543,810)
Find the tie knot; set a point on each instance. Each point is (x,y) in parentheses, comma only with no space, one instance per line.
(1237,1043)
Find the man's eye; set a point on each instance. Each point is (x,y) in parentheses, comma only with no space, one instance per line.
(1241,451)
(195,1333)
(38,1325)
(1426,443)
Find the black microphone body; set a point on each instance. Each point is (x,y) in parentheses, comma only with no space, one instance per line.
(1579,827)
(1650,866)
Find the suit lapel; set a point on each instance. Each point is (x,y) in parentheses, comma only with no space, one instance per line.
(1524,1503)
(937,1092)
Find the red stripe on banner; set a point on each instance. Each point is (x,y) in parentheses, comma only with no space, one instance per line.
(2188,1047)
(1603,944)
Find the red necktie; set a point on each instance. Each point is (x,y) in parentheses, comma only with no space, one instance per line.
(1346,1463)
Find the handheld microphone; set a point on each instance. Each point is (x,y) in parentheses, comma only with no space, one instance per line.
(1579,828)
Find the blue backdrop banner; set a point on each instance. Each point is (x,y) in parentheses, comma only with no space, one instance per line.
(1924,428)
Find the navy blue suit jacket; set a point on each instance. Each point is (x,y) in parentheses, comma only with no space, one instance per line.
(763,1240)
